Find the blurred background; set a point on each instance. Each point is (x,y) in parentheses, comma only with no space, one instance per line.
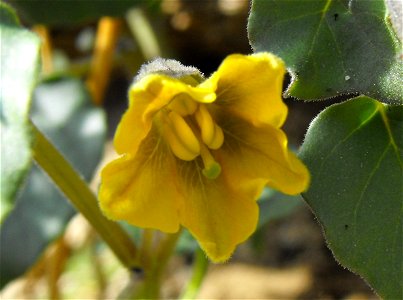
(286,258)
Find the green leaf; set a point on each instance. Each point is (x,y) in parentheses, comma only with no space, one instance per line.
(331,47)
(354,153)
(63,111)
(8,16)
(19,69)
(64,13)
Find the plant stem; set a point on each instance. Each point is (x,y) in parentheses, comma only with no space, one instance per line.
(143,32)
(46,48)
(165,250)
(199,271)
(101,65)
(150,285)
(84,200)
(145,249)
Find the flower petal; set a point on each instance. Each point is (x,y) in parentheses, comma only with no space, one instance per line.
(141,189)
(146,98)
(251,87)
(219,216)
(258,155)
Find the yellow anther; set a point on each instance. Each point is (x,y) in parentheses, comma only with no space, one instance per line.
(218,139)
(176,145)
(183,104)
(212,169)
(206,124)
(181,138)
(212,134)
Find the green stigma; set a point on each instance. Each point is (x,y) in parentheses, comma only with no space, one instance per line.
(212,171)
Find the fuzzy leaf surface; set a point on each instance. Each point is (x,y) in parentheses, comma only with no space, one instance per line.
(331,47)
(354,151)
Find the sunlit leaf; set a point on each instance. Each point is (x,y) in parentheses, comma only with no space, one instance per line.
(354,153)
(331,46)
(63,111)
(19,69)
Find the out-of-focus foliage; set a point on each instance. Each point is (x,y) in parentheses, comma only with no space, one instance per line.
(274,205)
(19,71)
(62,110)
(354,152)
(64,13)
(331,47)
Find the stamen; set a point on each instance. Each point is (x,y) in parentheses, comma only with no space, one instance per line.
(212,169)
(211,133)
(218,139)
(206,124)
(180,137)
(183,104)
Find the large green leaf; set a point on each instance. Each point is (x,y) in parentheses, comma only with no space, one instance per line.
(331,46)
(63,111)
(19,68)
(68,12)
(354,151)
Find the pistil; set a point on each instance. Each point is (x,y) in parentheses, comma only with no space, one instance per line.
(212,169)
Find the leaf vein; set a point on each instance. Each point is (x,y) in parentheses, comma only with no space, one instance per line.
(363,123)
(364,189)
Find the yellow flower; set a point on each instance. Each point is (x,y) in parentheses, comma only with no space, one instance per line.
(199,154)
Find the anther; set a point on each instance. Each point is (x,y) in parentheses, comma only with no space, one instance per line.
(181,138)
(218,139)
(211,133)
(212,169)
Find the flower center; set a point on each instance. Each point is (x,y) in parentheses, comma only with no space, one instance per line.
(190,131)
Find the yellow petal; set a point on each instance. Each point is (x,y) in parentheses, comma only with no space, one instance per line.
(255,155)
(251,87)
(219,216)
(141,189)
(147,97)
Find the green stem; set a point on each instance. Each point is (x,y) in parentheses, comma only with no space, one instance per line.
(167,246)
(149,287)
(84,200)
(199,271)
(143,32)
(145,248)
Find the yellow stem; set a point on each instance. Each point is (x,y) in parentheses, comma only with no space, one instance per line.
(101,65)
(55,265)
(46,48)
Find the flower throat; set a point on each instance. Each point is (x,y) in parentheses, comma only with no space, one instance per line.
(190,131)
